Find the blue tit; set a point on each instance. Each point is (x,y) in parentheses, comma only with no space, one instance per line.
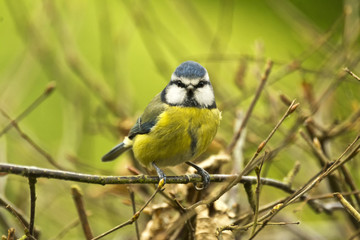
(178,124)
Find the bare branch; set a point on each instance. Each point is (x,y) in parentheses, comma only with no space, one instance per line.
(48,90)
(251,107)
(136,215)
(352,74)
(32,182)
(35,172)
(79,203)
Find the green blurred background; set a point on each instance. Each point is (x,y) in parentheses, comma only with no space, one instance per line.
(109,58)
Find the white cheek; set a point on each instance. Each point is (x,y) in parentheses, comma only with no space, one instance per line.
(205,96)
(175,95)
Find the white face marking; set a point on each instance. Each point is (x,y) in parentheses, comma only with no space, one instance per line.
(178,95)
(204,96)
(175,95)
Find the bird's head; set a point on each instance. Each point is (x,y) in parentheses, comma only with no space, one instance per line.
(189,86)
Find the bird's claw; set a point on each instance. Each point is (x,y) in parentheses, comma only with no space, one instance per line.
(204,175)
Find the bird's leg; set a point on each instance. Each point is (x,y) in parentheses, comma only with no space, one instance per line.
(161,174)
(203,173)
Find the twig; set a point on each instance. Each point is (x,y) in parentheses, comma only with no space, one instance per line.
(348,206)
(339,162)
(40,150)
(13,212)
(331,195)
(11,234)
(328,169)
(5,224)
(257,192)
(48,90)
(19,216)
(136,215)
(352,74)
(289,179)
(252,162)
(79,203)
(32,182)
(264,78)
(16,213)
(132,197)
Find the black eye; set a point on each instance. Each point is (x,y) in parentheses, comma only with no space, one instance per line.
(179,83)
(201,84)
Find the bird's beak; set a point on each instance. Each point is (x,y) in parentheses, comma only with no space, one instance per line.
(190,88)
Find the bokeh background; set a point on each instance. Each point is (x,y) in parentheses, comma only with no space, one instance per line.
(109,58)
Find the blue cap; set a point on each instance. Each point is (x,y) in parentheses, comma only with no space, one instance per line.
(190,70)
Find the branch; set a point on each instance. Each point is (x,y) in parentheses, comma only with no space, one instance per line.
(251,107)
(35,172)
(80,207)
(136,215)
(352,74)
(19,216)
(48,90)
(32,182)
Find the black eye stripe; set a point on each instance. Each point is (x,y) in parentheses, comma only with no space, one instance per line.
(178,83)
(202,84)
(182,85)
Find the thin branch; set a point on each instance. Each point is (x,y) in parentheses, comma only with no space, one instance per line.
(348,206)
(327,170)
(35,172)
(132,197)
(252,162)
(352,74)
(264,78)
(32,182)
(136,215)
(11,234)
(257,192)
(80,207)
(40,150)
(48,90)
(15,212)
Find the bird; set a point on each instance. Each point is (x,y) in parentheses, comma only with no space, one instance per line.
(178,124)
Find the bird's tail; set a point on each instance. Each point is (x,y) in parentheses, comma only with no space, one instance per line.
(117,150)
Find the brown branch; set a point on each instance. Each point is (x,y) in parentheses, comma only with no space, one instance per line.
(135,217)
(264,78)
(48,90)
(79,203)
(252,162)
(40,150)
(352,74)
(132,197)
(350,151)
(18,215)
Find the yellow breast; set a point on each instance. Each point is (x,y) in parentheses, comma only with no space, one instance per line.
(181,134)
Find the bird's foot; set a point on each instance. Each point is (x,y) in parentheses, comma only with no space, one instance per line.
(161,174)
(204,175)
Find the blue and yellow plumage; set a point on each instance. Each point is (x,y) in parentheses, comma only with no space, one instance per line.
(177,125)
